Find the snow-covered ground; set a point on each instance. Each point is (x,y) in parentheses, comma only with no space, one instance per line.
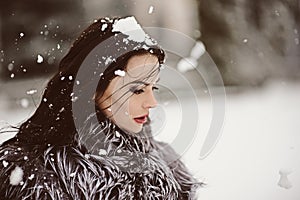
(260,138)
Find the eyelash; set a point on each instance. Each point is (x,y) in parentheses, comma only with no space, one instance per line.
(140,91)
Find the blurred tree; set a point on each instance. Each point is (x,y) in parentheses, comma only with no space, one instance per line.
(35,34)
(251,40)
(215,30)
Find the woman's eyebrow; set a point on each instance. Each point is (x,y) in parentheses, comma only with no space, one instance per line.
(143,83)
(139,82)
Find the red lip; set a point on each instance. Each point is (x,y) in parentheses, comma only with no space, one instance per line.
(141,120)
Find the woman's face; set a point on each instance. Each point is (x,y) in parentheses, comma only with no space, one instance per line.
(129,96)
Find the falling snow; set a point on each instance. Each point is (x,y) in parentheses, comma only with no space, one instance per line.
(10,66)
(74,98)
(24,103)
(198,50)
(151,8)
(62,109)
(31,92)
(109,60)
(40,59)
(189,63)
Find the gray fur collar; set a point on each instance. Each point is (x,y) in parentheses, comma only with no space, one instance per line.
(120,166)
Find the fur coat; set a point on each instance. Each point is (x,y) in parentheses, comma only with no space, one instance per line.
(117,166)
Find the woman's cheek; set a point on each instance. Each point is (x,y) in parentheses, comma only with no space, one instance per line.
(133,105)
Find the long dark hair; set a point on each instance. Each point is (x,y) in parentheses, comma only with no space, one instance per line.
(54,121)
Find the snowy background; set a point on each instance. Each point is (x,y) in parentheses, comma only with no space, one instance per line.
(254,44)
(260,138)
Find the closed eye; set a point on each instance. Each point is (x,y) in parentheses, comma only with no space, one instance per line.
(139,91)
(155,88)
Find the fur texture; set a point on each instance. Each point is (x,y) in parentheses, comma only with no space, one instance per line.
(119,166)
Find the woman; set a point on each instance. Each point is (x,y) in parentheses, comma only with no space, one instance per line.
(90,137)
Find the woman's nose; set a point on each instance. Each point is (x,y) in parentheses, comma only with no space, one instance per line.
(150,100)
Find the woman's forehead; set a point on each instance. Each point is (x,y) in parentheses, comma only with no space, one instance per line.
(141,69)
(142,64)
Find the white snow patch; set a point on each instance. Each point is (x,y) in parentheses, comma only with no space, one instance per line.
(72,174)
(16,176)
(130,27)
(284,181)
(31,177)
(117,134)
(58,46)
(104,26)
(120,72)
(21,35)
(102,152)
(5,163)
